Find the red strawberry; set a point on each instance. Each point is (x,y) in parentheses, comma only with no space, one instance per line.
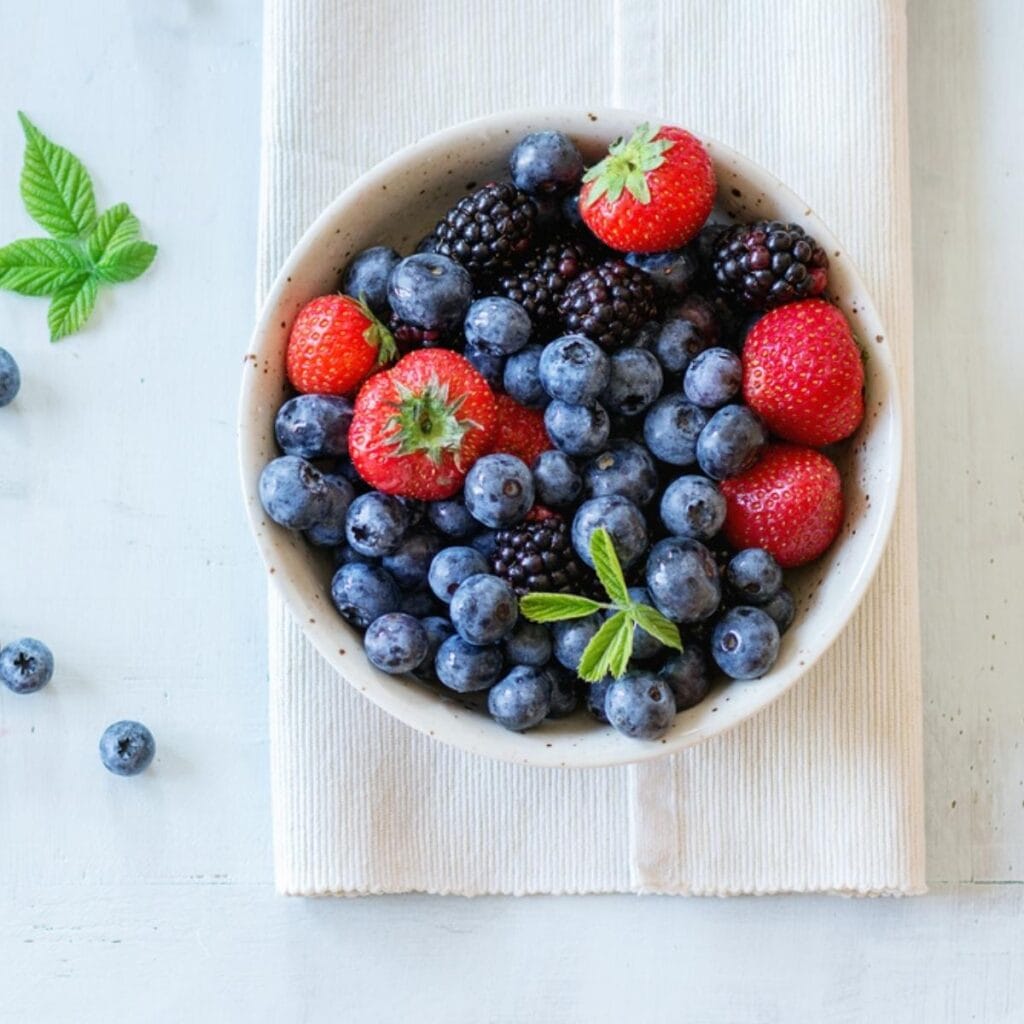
(335,344)
(521,431)
(802,373)
(418,427)
(651,193)
(790,504)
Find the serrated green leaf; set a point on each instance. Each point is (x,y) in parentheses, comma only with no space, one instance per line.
(125,262)
(607,567)
(40,266)
(539,607)
(72,305)
(650,620)
(612,643)
(55,186)
(115,227)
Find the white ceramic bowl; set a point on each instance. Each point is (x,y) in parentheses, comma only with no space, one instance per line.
(396,203)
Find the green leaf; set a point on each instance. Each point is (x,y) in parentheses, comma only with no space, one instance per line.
(40,266)
(557,607)
(650,620)
(125,262)
(608,651)
(71,307)
(56,188)
(607,567)
(115,227)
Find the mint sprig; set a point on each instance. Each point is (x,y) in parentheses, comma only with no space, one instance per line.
(85,250)
(611,647)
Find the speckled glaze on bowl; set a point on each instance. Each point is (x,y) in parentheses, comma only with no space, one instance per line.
(399,201)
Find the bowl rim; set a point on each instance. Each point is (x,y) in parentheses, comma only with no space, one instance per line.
(270,538)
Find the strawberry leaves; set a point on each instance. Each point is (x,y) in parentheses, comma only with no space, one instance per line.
(85,250)
(609,650)
(626,167)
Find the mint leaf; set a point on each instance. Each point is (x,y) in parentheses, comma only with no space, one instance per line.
(71,307)
(650,620)
(608,651)
(607,567)
(40,266)
(125,262)
(56,188)
(115,227)
(557,607)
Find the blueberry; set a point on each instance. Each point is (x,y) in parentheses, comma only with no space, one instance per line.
(330,530)
(556,480)
(678,342)
(686,672)
(415,510)
(731,442)
(571,212)
(640,705)
(499,490)
(682,577)
(430,291)
(376,523)
(546,163)
(294,493)
(577,429)
(362,593)
(564,692)
(754,576)
(428,244)
(490,366)
(396,643)
(451,567)
(635,381)
(366,277)
(693,506)
(597,693)
(345,554)
(438,629)
(452,517)
(672,273)
(671,429)
(419,603)
(745,643)
(522,377)
(26,665)
(644,645)
(127,748)
(522,699)
(574,369)
(10,377)
(570,638)
(410,562)
(486,542)
(528,644)
(624,468)
(713,378)
(781,608)
(484,609)
(623,521)
(314,426)
(497,325)
(465,667)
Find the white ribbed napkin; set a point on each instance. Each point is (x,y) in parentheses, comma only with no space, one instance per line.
(821,792)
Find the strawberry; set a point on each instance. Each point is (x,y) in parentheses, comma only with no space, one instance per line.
(802,373)
(335,344)
(790,503)
(520,431)
(651,193)
(418,427)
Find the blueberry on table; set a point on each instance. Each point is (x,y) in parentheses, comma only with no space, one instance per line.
(376,523)
(781,608)
(522,699)
(577,429)
(314,426)
(362,593)
(546,163)
(430,291)
(730,442)
(574,369)
(693,506)
(10,377)
(499,490)
(450,567)
(466,667)
(452,518)
(745,643)
(396,643)
(635,381)
(26,665)
(294,493)
(556,479)
(127,748)
(625,468)
(682,577)
(497,325)
(686,672)
(571,637)
(484,609)
(640,705)
(366,276)
(528,644)
(622,519)
(753,576)
(522,378)
(410,562)
(713,378)
(672,427)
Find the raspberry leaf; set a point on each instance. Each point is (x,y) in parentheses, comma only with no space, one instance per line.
(608,651)
(651,621)
(72,305)
(538,607)
(115,227)
(41,266)
(55,187)
(125,262)
(607,567)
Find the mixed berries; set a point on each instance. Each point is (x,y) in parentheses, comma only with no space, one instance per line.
(574,436)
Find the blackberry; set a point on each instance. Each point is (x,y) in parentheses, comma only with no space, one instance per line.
(539,283)
(409,337)
(608,303)
(538,556)
(768,263)
(486,230)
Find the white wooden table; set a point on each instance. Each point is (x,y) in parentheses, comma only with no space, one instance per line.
(123,545)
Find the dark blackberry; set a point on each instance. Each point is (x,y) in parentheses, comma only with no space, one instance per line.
(539,283)
(486,230)
(767,264)
(608,303)
(538,556)
(409,337)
